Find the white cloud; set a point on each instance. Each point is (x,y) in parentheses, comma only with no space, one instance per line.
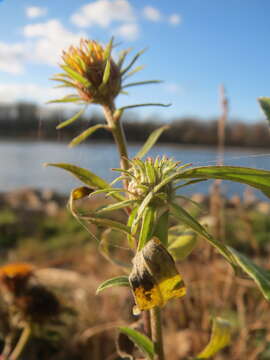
(173,88)
(152,14)
(103,13)
(34,12)
(10,93)
(11,58)
(128,31)
(50,38)
(175,19)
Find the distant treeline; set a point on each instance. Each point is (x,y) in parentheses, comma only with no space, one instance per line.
(28,121)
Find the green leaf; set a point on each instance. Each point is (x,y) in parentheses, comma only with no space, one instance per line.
(181,242)
(76,76)
(131,218)
(71,120)
(135,58)
(258,274)
(85,134)
(66,99)
(161,229)
(116,206)
(150,142)
(107,248)
(116,281)
(122,56)
(141,105)
(107,223)
(236,259)
(148,219)
(108,49)
(86,176)
(265,105)
(220,337)
(134,71)
(146,82)
(140,340)
(259,179)
(185,218)
(106,74)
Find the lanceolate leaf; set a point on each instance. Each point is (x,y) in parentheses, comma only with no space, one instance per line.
(185,218)
(135,58)
(140,340)
(86,176)
(259,179)
(76,76)
(116,281)
(146,82)
(265,105)
(116,206)
(150,142)
(72,119)
(141,105)
(85,134)
(258,274)
(236,259)
(108,223)
(147,226)
(65,99)
(181,242)
(220,337)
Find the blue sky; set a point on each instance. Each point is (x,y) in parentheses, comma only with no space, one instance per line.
(194,46)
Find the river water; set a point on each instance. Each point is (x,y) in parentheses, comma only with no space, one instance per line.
(21,163)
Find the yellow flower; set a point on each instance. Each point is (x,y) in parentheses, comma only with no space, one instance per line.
(90,69)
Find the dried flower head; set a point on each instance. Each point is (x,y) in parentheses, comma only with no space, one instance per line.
(25,294)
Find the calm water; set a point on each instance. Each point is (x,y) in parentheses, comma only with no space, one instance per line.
(21,163)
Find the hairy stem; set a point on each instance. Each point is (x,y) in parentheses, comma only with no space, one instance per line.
(156,331)
(116,128)
(25,336)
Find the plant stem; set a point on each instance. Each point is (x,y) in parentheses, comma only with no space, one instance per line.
(156,331)
(25,336)
(116,128)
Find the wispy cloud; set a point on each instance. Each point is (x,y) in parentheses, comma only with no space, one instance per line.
(173,88)
(152,14)
(10,93)
(175,19)
(128,31)
(11,58)
(34,12)
(49,39)
(103,13)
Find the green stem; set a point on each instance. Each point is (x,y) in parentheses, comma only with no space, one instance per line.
(23,340)
(116,128)
(156,331)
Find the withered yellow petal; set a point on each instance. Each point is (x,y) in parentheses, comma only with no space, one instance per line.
(154,277)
